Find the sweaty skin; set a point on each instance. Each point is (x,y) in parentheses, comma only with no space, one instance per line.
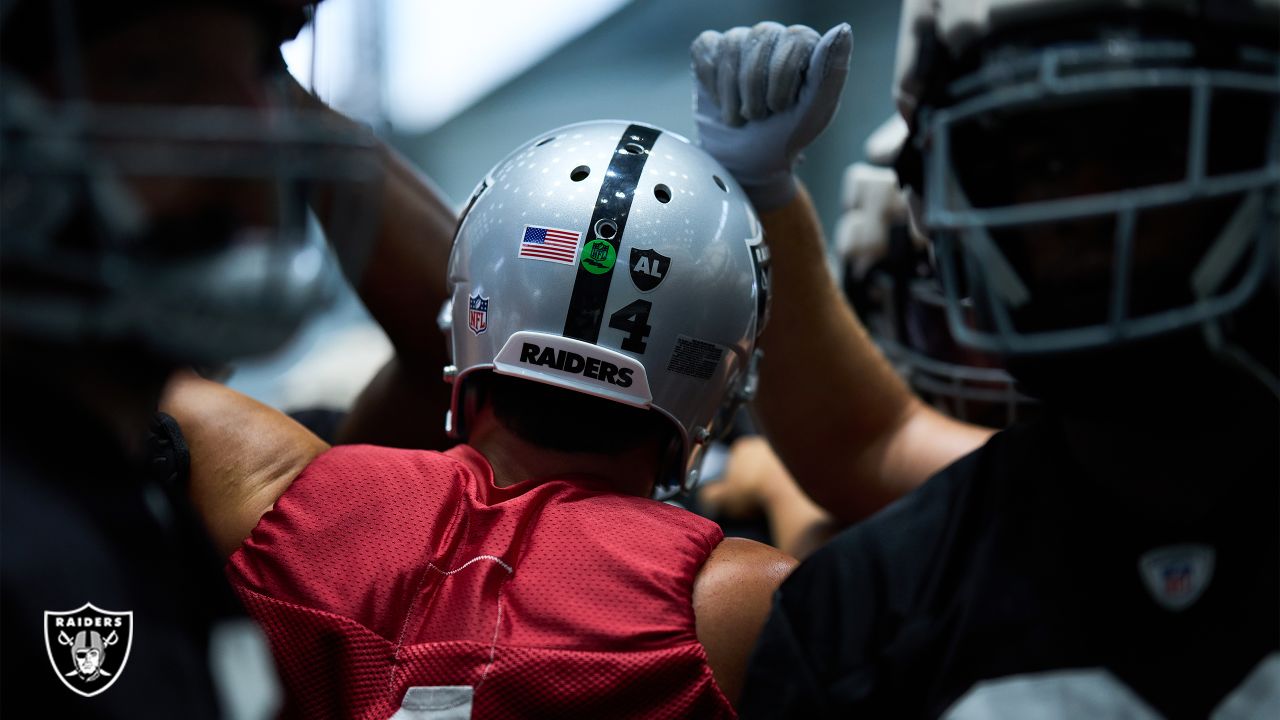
(731,600)
(243,455)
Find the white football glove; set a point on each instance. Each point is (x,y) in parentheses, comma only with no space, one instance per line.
(762,94)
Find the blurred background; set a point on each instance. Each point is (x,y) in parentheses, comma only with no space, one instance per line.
(457,85)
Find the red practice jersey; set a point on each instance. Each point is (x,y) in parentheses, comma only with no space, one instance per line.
(382,570)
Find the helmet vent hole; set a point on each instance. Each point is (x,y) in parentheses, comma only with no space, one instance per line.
(606,229)
(662,192)
(633,148)
(544,141)
(720,183)
(579,173)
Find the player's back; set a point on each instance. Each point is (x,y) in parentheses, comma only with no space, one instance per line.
(383,570)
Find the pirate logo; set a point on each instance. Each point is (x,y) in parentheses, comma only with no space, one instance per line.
(478,313)
(88,647)
(648,268)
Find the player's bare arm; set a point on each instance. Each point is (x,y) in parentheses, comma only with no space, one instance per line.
(402,283)
(243,454)
(731,599)
(403,287)
(756,482)
(846,426)
(851,432)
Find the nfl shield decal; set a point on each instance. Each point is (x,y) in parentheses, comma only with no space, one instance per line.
(648,268)
(478,313)
(88,646)
(1176,575)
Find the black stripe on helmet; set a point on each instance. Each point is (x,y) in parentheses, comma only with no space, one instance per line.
(591,290)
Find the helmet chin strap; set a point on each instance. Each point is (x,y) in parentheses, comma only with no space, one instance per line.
(744,391)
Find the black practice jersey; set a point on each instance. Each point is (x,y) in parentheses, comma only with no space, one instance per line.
(1009,581)
(113,600)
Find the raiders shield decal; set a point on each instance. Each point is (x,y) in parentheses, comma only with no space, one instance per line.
(88,647)
(648,268)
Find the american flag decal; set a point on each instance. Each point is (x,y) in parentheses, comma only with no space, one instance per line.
(550,244)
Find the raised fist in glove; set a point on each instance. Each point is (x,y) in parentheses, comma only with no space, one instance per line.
(762,95)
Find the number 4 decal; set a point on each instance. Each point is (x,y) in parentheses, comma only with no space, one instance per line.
(633,320)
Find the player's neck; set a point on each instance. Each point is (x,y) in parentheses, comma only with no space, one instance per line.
(515,460)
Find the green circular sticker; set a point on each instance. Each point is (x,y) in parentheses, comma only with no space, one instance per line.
(598,256)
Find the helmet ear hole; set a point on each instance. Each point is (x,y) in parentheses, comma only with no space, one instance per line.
(579,173)
(606,228)
(663,193)
(720,183)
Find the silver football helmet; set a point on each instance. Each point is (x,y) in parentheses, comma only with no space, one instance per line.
(969,74)
(618,260)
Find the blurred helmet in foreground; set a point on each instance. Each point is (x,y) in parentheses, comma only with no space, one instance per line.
(159,176)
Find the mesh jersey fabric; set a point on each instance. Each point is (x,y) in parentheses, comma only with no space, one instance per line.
(382,569)
(1015,561)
